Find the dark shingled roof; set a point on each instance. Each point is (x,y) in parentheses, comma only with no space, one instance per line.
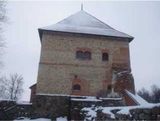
(84,23)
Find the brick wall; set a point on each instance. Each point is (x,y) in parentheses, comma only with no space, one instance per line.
(58,64)
(33,92)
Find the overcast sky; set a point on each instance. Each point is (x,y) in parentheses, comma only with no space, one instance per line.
(138,19)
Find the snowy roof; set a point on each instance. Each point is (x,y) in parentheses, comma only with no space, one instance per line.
(137,98)
(84,23)
(88,99)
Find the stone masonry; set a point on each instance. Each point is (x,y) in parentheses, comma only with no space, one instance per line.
(80,57)
(59,68)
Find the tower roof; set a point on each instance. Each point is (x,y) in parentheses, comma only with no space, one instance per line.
(84,23)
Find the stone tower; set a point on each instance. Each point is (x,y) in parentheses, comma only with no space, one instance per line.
(79,55)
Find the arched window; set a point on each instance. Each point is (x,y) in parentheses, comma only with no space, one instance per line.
(76,87)
(86,55)
(105,56)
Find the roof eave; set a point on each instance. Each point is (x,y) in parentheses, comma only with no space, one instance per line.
(131,38)
(40,30)
(33,85)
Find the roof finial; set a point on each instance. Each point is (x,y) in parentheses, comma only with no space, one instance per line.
(81,6)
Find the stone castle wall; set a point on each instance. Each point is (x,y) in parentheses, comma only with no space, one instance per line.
(59,66)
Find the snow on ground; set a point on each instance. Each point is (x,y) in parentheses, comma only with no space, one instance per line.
(43,119)
(110,98)
(23,103)
(61,119)
(44,94)
(39,119)
(87,98)
(91,113)
(108,111)
(125,109)
(93,98)
(122,109)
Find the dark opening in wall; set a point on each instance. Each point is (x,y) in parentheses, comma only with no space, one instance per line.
(76,87)
(109,87)
(105,56)
(83,55)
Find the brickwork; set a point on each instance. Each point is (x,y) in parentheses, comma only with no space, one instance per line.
(33,92)
(84,85)
(58,64)
(128,100)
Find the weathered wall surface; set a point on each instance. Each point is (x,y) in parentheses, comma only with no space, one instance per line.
(10,110)
(58,64)
(51,106)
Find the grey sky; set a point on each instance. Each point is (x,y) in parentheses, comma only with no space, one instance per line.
(138,19)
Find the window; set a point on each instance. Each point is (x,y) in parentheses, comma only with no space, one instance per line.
(86,55)
(76,87)
(105,56)
(109,87)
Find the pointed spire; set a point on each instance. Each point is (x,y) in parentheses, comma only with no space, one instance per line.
(81,6)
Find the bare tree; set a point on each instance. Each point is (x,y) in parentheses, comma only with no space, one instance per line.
(145,94)
(155,94)
(11,88)
(152,96)
(3,92)
(3,20)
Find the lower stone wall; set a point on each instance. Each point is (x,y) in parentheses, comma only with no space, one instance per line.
(145,114)
(59,106)
(51,106)
(10,110)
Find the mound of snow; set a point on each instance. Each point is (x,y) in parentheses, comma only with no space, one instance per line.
(61,119)
(39,119)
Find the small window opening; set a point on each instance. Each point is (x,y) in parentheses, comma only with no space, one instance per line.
(105,57)
(109,87)
(83,55)
(76,87)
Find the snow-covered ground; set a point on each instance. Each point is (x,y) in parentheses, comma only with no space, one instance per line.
(61,119)
(92,112)
(43,119)
(87,98)
(39,119)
